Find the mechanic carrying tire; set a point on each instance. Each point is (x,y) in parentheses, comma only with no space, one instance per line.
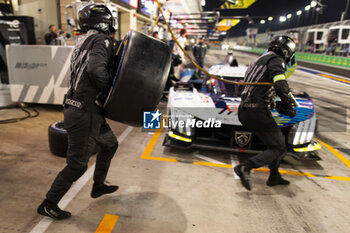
(254,110)
(140,65)
(91,73)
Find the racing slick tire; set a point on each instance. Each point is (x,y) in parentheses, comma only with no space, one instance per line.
(58,140)
(140,79)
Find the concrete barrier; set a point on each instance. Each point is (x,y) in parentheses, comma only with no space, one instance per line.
(340,62)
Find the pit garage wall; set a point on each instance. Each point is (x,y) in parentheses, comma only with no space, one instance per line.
(44,13)
(262,39)
(47,12)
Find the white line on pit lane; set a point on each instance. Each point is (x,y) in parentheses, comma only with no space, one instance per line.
(45,222)
(234,162)
(205,158)
(233,158)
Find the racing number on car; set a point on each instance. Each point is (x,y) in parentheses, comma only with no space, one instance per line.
(232,108)
(205,99)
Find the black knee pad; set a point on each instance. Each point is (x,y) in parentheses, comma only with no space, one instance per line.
(73,174)
(282,150)
(115,147)
(110,151)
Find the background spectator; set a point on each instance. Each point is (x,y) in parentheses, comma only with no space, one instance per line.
(51,37)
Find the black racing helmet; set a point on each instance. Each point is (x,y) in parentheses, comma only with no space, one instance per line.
(96,16)
(284,46)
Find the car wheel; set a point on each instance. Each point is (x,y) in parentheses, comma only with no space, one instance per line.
(58,140)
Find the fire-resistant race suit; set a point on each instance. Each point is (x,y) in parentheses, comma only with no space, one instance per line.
(254,113)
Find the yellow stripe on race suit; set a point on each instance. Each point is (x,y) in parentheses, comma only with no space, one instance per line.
(279,77)
(290,70)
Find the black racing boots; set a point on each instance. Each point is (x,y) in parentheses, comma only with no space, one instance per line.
(101,189)
(276,180)
(52,210)
(243,173)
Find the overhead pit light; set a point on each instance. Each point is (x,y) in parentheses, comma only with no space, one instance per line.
(289,16)
(262,21)
(313,3)
(299,12)
(270,18)
(203,3)
(283,18)
(308,7)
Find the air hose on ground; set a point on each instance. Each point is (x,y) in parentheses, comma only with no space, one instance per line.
(24,109)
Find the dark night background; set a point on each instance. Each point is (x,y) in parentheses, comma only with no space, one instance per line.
(276,8)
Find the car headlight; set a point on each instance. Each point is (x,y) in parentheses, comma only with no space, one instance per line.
(178,121)
(303,132)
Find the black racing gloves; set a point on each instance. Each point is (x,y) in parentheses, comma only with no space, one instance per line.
(286,106)
(286,109)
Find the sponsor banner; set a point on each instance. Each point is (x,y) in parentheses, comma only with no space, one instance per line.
(324,59)
(226,24)
(133,3)
(237,4)
(38,73)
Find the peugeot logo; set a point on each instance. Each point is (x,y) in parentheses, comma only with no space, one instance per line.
(242,138)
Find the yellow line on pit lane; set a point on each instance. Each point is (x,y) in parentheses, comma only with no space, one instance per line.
(295,173)
(151,144)
(336,153)
(107,224)
(338,178)
(149,148)
(213,164)
(334,78)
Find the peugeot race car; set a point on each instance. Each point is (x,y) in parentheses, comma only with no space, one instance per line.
(208,118)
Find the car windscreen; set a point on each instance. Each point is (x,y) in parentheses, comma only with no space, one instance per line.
(229,89)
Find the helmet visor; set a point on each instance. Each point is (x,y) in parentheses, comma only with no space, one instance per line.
(291,47)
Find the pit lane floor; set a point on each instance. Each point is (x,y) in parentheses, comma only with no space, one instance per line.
(166,190)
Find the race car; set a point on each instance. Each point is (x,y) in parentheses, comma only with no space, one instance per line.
(207,117)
